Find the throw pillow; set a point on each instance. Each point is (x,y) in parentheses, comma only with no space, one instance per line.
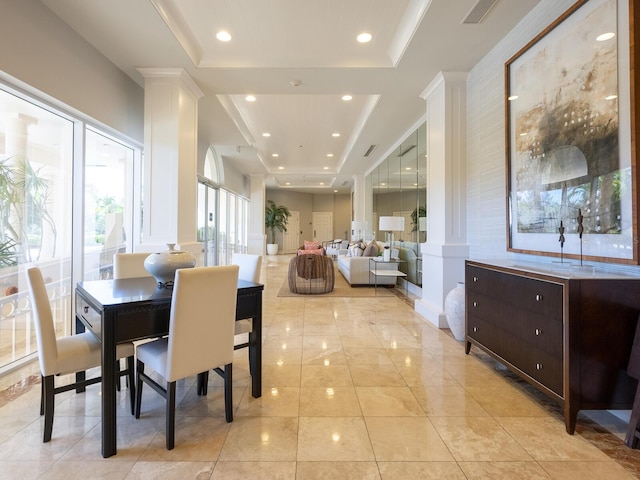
(371,250)
(311,245)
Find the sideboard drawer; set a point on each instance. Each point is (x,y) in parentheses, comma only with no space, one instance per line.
(89,317)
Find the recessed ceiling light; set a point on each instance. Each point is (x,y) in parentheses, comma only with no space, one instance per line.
(325,168)
(321,183)
(335,191)
(266,134)
(280,167)
(223,36)
(346,98)
(605,36)
(611,97)
(250,98)
(275,154)
(407,168)
(336,134)
(288,183)
(364,37)
(329,155)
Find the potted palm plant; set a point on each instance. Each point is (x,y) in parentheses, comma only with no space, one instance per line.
(276,217)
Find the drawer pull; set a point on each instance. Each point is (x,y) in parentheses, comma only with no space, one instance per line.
(475,279)
(538,366)
(86,309)
(538,297)
(475,304)
(475,329)
(538,332)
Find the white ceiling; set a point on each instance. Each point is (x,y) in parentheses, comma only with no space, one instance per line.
(298,57)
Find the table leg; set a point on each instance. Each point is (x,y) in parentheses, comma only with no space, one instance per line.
(109,447)
(255,352)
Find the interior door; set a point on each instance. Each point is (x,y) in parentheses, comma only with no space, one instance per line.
(322,226)
(291,238)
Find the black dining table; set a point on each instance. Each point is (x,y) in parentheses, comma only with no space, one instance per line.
(130,309)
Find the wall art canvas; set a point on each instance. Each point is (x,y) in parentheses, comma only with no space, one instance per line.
(569,150)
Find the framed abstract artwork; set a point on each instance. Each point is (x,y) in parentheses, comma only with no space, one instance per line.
(570,137)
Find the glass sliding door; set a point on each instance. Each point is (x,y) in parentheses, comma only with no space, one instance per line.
(108,203)
(207,231)
(36,161)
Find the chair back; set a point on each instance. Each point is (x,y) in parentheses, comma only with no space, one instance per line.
(129,265)
(202,323)
(249,266)
(43,321)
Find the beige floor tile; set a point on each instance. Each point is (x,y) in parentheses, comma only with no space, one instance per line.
(546,440)
(426,374)
(337,470)
(397,439)
(261,439)
(318,348)
(504,470)
(333,439)
(23,469)
(583,470)
(367,356)
(506,402)
(280,375)
(254,471)
(274,402)
(320,329)
(448,402)
(361,341)
(329,402)
(376,376)
(326,376)
(282,356)
(479,439)
(170,470)
(388,402)
(420,471)
(79,470)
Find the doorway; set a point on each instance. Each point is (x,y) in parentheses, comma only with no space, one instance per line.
(322,226)
(291,238)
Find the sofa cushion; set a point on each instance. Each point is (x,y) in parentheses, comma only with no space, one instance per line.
(371,250)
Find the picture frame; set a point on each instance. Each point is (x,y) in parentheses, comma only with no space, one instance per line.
(570,137)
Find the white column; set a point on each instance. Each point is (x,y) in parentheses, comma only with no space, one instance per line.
(446,249)
(359,205)
(170,160)
(257,238)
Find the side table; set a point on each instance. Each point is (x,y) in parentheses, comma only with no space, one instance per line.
(373,270)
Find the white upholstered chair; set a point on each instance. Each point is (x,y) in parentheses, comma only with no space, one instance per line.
(201,331)
(129,265)
(61,356)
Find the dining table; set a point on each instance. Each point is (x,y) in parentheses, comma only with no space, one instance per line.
(130,309)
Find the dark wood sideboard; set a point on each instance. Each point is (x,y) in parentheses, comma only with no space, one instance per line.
(568,335)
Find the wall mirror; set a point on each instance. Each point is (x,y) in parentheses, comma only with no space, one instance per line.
(397,186)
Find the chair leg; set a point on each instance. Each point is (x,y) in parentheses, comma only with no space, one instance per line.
(631,439)
(41,395)
(131,378)
(49,402)
(228,392)
(171,415)
(118,387)
(139,383)
(202,383)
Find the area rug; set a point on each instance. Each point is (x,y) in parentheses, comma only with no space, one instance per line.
(341,289)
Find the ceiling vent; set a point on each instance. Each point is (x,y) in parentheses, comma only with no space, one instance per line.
(370,150)
(478,11)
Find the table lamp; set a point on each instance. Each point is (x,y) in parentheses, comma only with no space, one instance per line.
(391,224)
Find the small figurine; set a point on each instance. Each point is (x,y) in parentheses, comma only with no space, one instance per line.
(580,227)
(561,240)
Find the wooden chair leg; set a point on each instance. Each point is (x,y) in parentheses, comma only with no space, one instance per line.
(631,439)
(41,395)
(131,378)
(202,383)
(228,392)
(139,383)
(49,402)
(171,415)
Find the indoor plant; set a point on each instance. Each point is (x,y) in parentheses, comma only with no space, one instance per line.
(275,217)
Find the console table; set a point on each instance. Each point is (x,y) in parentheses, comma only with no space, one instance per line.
(568,335)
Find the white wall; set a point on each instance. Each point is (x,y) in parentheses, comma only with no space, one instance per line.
(37,48)
(486,157)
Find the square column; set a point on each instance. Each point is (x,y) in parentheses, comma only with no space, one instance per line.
(170,160)
(446,249)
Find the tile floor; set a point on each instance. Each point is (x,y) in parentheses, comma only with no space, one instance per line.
(353,388)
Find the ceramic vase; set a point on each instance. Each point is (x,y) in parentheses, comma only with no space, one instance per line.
(454,311)
(163,265)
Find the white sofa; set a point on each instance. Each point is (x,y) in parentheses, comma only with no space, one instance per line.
(356,271)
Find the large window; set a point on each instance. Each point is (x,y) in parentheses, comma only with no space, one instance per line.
(42,204)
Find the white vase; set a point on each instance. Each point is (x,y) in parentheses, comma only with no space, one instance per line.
(272,248)
(454,310)
(163,265)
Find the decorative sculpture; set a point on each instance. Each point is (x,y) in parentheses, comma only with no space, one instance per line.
(580,230)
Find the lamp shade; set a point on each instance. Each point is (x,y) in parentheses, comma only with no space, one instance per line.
(391,224)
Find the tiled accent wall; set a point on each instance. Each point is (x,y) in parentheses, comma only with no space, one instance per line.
(486,160)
